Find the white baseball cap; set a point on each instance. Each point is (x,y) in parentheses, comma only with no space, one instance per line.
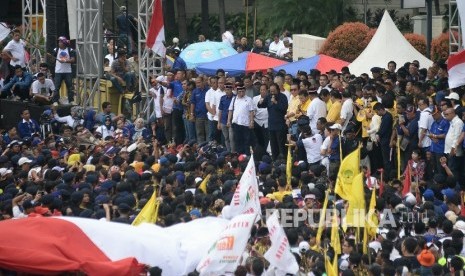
(24,160)
(453,96)
(336,126)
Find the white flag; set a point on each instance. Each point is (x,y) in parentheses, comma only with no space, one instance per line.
(279,254)
(224,255)
(245,199)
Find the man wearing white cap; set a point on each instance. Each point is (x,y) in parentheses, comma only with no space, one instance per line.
(454,99)
(24,163)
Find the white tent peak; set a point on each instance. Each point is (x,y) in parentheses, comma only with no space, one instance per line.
(387,44)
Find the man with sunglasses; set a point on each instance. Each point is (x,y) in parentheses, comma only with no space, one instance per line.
(241,118)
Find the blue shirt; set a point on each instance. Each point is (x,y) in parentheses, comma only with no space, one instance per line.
(335,154)
(198,99)
(179,64)
(176,88)
(225,102)
(438,128)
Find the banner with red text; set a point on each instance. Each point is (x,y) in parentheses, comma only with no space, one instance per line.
(225,253)
(245,199)
(279,254)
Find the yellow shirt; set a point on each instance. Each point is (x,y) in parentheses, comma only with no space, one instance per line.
(293,107)
(329,104)
(304,106)
(287,87)
(335,112)
(280,195)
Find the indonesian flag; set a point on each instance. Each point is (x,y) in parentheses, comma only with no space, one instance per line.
(156,33)
(456,69)
(279,254)
(54,245)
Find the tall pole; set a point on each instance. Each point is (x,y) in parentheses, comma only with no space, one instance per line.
(255,21)
(365,9)
(429,27)
(246,17)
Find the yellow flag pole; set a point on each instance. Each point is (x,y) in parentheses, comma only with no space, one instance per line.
(398,157)
(340,147)
(288,167)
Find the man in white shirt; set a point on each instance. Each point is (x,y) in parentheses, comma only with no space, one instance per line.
(157,92)
(347,109)
(261,118)
(241,118)
(65,56)
(285,49)
(209,99)
(316,109)
(15,50)
(275,46)
(452,147)
(424,124)
(42,90)
(324,83)
(214,101)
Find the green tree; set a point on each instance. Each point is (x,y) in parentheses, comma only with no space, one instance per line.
(317,17)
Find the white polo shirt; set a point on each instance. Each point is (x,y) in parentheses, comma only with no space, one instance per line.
(316,110)
(261,114)
(241,110)
(312,148)
(425,122)
(455,129)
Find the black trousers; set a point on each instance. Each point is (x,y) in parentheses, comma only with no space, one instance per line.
(278,143)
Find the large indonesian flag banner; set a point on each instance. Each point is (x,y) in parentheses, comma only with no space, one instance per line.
(51,246)
(456,69)
(225,253)
(156,32)
(245,199)
(279,254)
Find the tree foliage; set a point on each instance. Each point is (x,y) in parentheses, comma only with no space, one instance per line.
(347,41)
(440,47)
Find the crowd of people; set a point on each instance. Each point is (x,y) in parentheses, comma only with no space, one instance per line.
(100,165)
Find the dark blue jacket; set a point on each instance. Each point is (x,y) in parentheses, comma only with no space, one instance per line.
(26,129)
(24,82)
(276,112)
(385,129)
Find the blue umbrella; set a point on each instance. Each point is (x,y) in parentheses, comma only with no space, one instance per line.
(207,51)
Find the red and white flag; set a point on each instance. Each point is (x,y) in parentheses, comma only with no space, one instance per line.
(156,33)
(49,246)
(456,69)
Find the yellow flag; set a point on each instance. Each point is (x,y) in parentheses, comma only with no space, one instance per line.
(322,219)
(331,268)
(288,168)
(350,167)
(356,212)
(203,185)
(335,239)
(335,265)
(371,224)
(149,213)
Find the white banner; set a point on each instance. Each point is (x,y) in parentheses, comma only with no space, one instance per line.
(279,254)
(461,8)
(4,30)
(72,19)
(245,199)
(224,255)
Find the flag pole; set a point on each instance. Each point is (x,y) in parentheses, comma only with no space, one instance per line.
(398,157)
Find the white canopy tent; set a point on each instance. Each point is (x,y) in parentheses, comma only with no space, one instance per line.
(387,44)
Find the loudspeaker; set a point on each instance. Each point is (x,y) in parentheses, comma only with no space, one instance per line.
(57,22)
